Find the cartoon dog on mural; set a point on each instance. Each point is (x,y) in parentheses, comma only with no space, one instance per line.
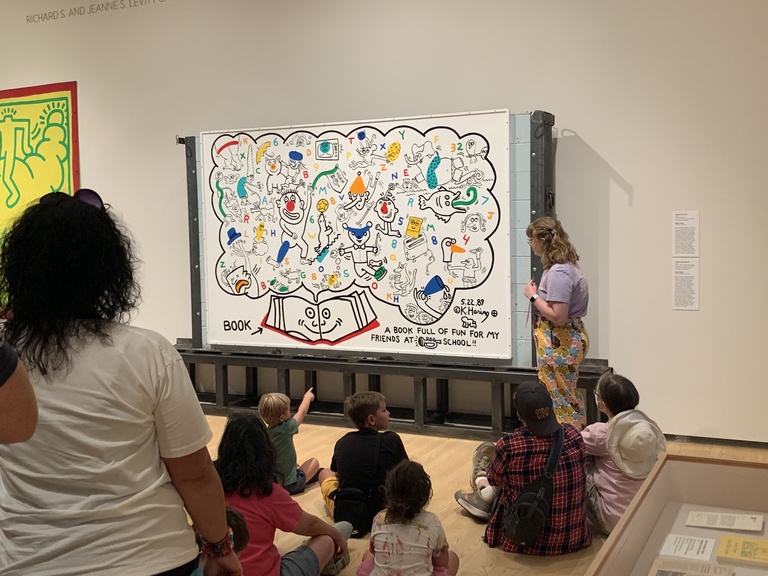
(359,250)
(293,214)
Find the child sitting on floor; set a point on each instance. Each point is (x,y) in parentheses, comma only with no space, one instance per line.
(275,410)
(620,452)
(356,464)
(247,465)
(405,538)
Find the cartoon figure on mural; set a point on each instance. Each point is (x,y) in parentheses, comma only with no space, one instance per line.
(450,247)
(401,280)
(13,132)
(229,153)
(365,150)
(473,153)
(468,267)
(473,223)
(439,171)
(293,167)
(326,234)
(386,210)
(360,191)
(298,231)
(365,268)
(36,147)
(293,221)
(277,174)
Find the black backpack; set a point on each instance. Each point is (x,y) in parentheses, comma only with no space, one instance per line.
(525,518)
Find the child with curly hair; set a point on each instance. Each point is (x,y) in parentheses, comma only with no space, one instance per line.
(247,465)
(405,538)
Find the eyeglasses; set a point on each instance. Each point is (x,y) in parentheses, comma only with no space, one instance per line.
(85,195)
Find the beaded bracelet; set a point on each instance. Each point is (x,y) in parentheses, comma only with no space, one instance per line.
(218,549)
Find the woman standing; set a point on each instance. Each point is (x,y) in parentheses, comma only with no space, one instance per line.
(120,448)
(559,304)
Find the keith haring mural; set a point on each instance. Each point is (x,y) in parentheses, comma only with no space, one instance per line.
(38,145)
(382,237)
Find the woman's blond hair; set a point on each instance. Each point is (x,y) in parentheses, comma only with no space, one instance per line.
(272,406)
(557,248)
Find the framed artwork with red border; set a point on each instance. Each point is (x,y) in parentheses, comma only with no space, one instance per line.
(39,150)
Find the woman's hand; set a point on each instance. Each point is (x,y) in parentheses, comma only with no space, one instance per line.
(530,289)
(227,565)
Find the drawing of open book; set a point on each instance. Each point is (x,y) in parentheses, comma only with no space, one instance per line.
(329,321)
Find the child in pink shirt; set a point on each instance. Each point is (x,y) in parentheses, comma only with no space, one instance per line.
(247,465)
(620,452)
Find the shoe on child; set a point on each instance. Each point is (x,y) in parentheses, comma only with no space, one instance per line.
(336,565)
(345,528)
(480,461)
(475,504)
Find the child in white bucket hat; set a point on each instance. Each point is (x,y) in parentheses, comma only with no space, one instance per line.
(620,452)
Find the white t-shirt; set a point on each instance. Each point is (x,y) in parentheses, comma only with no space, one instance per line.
(89,494)
(407,548)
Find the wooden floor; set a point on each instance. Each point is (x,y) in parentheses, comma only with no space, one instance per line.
(448,463)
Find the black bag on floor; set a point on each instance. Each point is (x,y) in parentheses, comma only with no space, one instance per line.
(351,505)
(354,505)
(525,518)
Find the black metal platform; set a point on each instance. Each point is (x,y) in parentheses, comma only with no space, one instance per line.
(442,420)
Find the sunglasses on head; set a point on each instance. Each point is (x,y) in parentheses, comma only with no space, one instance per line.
(85,195)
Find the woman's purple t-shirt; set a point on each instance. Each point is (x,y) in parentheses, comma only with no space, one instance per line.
(566,283)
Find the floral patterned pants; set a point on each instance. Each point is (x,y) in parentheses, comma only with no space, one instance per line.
(559,351)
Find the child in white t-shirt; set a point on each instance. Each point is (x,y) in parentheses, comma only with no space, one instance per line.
(620,452)
(405,538)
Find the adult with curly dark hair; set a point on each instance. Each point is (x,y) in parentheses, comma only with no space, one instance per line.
(120,449)
(247,465)
(559,304)
(405,538)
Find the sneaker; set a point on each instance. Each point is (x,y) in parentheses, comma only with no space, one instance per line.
(480,461)
(473,503)
(336,565)
(345,528)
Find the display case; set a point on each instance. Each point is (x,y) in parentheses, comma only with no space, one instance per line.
(673,486)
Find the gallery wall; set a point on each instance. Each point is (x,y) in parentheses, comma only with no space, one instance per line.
(659,106)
